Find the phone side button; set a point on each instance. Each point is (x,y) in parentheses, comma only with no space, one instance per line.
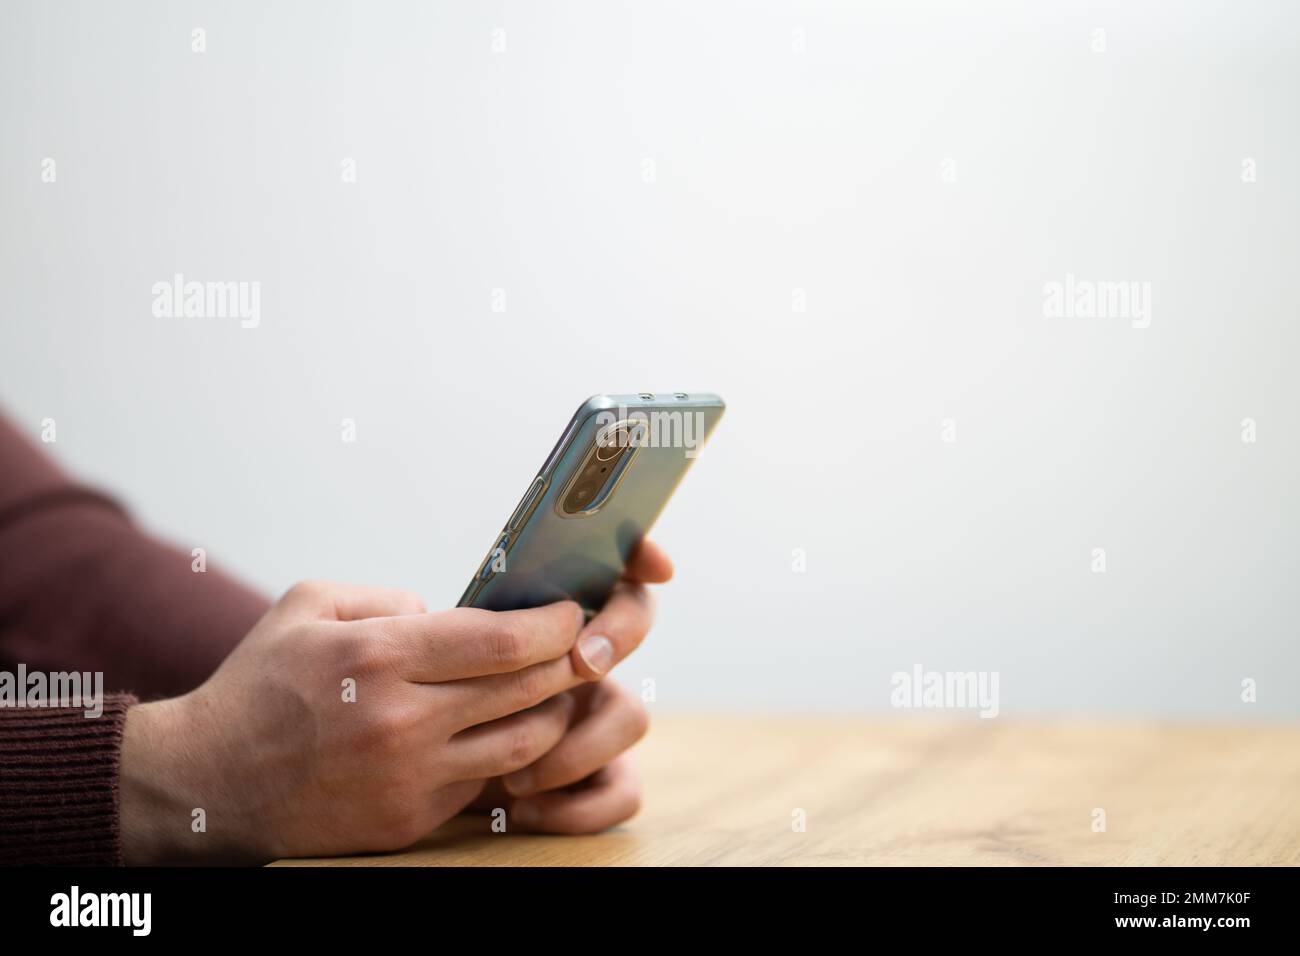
(526,504)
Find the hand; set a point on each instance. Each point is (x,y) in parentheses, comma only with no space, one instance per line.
(587,782)
(280,763)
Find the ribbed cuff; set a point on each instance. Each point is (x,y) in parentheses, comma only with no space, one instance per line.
(59,785)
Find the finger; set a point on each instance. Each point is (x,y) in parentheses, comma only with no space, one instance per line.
(507,744)
(648,564)
(467,642)
(614,795)
(615,632)
(349,602)
(617,719)
(481,699)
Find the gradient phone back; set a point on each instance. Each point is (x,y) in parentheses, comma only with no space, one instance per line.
(568,539)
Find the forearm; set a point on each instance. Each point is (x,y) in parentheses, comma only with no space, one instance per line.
(82,588)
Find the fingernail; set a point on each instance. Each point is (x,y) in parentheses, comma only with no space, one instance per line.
(597,651)
(518,783)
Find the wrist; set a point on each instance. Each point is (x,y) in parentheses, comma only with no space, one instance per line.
(152,786)
(168,790)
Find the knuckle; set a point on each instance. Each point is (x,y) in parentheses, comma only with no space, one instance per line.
(306,591)
(506,644)
(528,686)
(523,746)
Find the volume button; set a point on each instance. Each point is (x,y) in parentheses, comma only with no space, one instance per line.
(526,504)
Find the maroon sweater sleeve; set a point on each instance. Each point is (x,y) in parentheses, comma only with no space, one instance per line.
(58,785)
(82,589)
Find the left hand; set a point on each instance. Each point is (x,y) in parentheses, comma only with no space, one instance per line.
(586,783)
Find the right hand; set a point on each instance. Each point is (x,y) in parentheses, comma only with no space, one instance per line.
(282,765)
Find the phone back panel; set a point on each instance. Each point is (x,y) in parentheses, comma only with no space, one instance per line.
(544,555)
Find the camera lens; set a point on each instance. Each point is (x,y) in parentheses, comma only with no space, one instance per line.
(613,443)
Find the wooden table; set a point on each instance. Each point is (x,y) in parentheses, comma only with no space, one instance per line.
(728,790)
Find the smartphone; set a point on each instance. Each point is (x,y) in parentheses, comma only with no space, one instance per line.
(602,487)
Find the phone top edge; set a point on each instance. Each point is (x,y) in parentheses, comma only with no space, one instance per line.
(657,399)
(604,401)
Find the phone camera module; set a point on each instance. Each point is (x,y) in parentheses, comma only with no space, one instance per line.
(606,461)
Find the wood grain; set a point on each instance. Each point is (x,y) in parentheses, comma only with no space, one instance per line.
(723,790)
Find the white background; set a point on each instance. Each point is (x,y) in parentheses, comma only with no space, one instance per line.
(775,170)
